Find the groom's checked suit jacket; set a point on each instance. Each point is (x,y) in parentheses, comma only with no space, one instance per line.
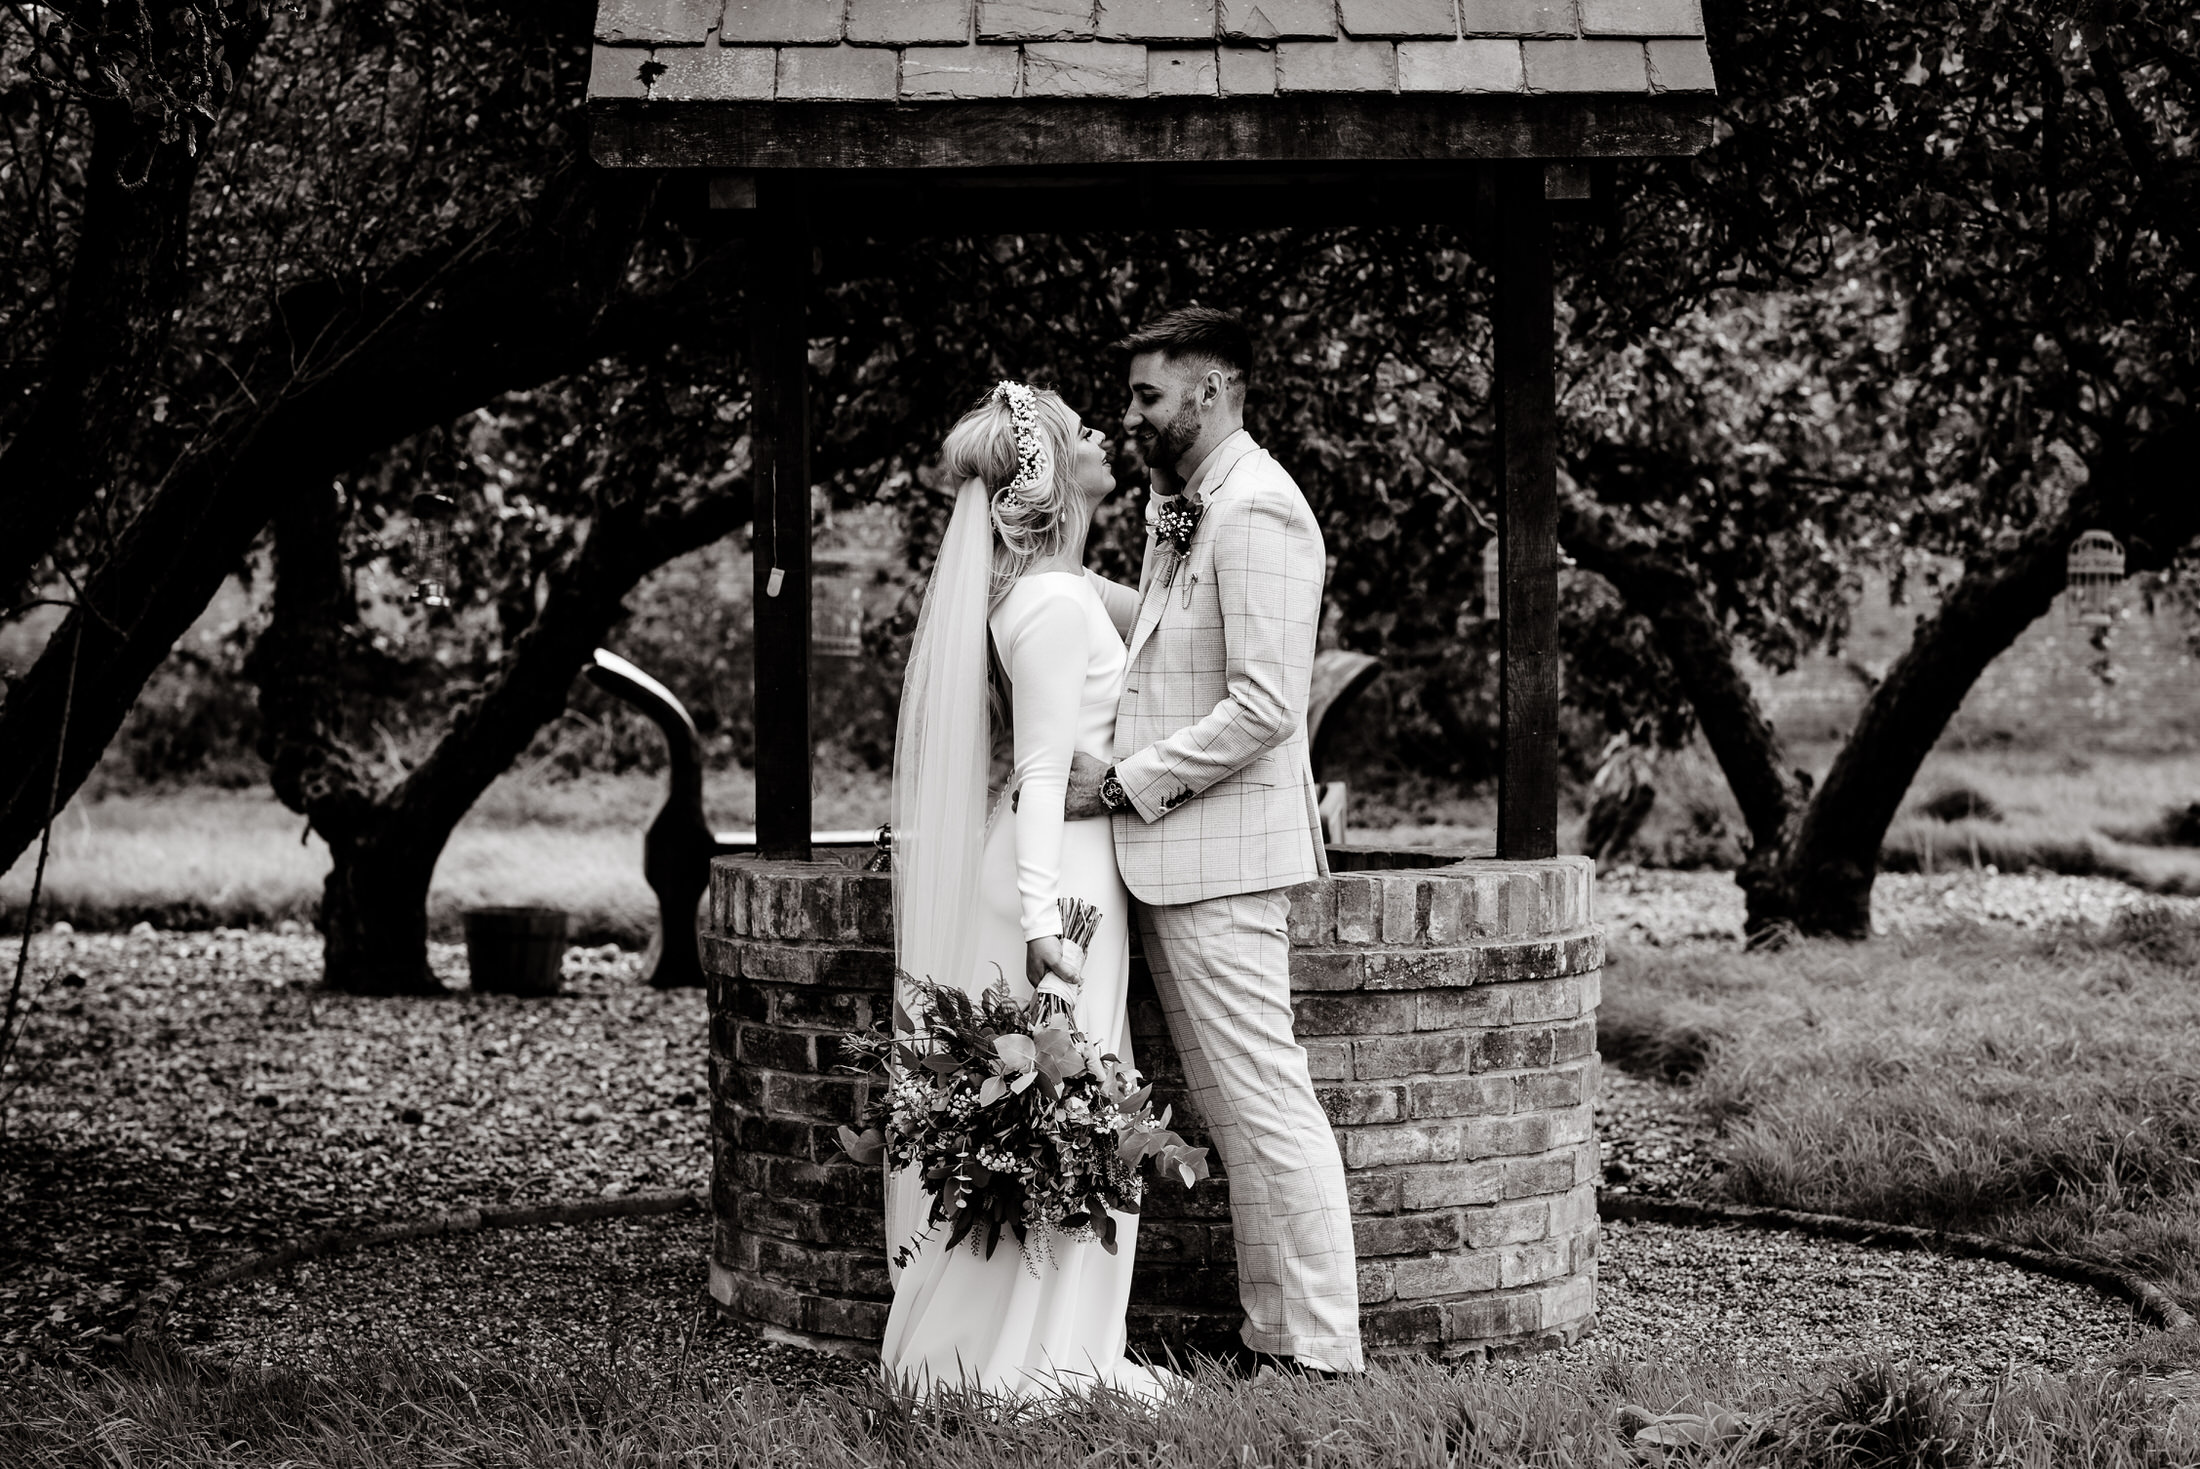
(1210,736)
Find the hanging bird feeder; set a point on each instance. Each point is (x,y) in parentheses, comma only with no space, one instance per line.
(1493,586)
(432,517)
(2092,573)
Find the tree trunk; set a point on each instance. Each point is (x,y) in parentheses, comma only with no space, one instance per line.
(374,913)
(374,906)
(1665,592)
(386,838)
(380,365)
(1821,882)
(1811,865)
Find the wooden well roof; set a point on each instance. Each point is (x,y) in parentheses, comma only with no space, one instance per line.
(957,84)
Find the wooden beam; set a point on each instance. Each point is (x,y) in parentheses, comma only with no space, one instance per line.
(1354,128)
(1527,446)
(779,437)
(885,203)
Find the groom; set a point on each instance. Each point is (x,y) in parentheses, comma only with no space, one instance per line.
(1215,816)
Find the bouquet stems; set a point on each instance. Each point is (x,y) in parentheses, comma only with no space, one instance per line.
(1080,921)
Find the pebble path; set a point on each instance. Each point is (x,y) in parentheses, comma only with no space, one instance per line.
(579,1297)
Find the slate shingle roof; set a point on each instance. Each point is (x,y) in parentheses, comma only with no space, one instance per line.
(929,51)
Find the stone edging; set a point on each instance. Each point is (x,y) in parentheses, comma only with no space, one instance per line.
(2153,1304)
(157,1301)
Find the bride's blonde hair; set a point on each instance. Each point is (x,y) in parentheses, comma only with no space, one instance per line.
(1033,521)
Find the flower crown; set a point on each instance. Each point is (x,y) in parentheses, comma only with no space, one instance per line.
(1034,461)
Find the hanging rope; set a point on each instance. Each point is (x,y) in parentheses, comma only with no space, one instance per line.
(11,1027)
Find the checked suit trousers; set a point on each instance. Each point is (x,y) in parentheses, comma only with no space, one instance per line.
(1222,968)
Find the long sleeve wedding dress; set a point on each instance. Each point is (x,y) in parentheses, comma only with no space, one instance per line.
(1052,1322)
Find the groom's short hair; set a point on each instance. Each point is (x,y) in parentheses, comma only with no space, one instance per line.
(1201,333)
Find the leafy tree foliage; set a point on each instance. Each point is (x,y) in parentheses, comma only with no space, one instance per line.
(1372,386)
(392,223)
(1929,291)
(2019,178)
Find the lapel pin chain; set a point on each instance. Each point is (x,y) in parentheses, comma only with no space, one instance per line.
(1188,586)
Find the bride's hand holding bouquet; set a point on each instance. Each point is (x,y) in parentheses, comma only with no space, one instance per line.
(1055,966)
(1012,1118)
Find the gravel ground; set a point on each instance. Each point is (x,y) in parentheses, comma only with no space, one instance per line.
(187,1096)
(1652,1140)
(1645,906)
(1769,1296)
(573,1297)
(577,1297)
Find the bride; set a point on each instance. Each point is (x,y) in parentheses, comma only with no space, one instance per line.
(1015,637)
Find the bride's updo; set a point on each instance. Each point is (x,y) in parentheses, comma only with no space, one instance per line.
(1036,520)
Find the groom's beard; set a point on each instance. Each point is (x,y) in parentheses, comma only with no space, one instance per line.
(1170,443)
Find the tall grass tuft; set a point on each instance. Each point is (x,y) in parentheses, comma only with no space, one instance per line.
(1643,1040)
(161,1407)
(2177,826)
(1883,1416)
(1960,802)
(2159,932)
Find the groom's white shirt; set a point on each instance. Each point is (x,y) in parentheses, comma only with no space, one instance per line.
(1210,736)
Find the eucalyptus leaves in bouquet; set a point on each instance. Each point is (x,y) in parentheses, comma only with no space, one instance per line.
(1013,1119)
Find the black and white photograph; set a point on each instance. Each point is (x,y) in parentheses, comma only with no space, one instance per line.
(1099,734)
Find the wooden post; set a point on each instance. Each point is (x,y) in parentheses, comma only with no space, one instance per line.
(1527,447)
(779,438)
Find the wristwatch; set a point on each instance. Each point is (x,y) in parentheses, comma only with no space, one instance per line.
(1112,794)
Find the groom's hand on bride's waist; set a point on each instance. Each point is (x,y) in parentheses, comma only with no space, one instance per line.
(1083,799)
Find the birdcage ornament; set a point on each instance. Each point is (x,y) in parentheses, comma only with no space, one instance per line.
(432,517)
(2091,574)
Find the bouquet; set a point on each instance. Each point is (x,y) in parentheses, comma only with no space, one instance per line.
(1013,1119)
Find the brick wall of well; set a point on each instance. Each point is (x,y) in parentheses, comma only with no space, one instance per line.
(1449,1018)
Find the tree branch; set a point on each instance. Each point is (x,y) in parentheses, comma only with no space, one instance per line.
(510,320)
(300,665)
(2175,62)
(2138,138)
(626,543)
(1665,592)
(125,284)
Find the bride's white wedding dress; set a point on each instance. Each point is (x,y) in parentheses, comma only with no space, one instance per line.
(1053,1323)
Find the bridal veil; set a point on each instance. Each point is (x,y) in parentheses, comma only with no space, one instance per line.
(942,749)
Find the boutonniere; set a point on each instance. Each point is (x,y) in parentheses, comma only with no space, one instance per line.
(1177,521)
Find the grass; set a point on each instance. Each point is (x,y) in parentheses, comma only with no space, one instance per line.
(2053,811)
(197,858)
(2090,815)
(160,1407)
(2038,1089)
(2058,812)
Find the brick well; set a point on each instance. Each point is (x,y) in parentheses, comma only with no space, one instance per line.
(1450,1017)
